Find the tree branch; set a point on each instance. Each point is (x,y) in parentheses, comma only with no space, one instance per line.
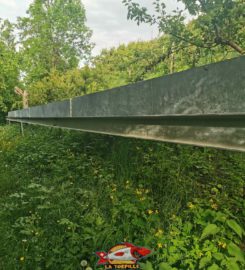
(235,46)
(220,41)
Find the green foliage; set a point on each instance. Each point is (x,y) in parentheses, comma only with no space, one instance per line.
(127,64)
(9,68)
(65,195)
(210,229)
(61,85)
(53,37)
(214,23)
(235,227)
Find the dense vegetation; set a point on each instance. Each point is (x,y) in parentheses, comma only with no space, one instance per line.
(65,195)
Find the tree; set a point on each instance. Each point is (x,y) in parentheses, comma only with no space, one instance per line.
(128,63)
(9,68)
(61,85)
(215,23)
(53,37)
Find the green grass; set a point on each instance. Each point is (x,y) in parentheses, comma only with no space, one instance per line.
(65,195)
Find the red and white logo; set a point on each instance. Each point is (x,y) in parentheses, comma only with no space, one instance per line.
(122,254)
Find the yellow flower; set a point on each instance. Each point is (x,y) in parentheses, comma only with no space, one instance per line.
(142,198)
(159,233)
(149,211)
(159,245)
(191,205)
(22,259)
(222,244)
(111,197)
(138,192)
(214,206)
(157,212)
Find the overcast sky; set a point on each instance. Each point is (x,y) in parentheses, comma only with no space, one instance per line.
(107,19)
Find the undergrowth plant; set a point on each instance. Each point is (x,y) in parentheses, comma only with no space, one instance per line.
(66,195)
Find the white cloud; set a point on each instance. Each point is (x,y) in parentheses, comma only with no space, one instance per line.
(11,9)
(107,19)
(8,3)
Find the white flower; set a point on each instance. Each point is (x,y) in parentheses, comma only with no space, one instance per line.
(83,263)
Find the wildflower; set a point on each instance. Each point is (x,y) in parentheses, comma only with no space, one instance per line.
(83,263)
(114,189)
(36,233)
(214,206)
(22,259)
(149,211)
(142,198)
(111,197)
(159,245)
(191,205)
(89,268)
(24,240)
(157,212)
(222,244)
(159,232)
(127,182)
(138,192)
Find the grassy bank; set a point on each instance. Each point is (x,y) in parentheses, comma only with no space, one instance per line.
(65,195)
